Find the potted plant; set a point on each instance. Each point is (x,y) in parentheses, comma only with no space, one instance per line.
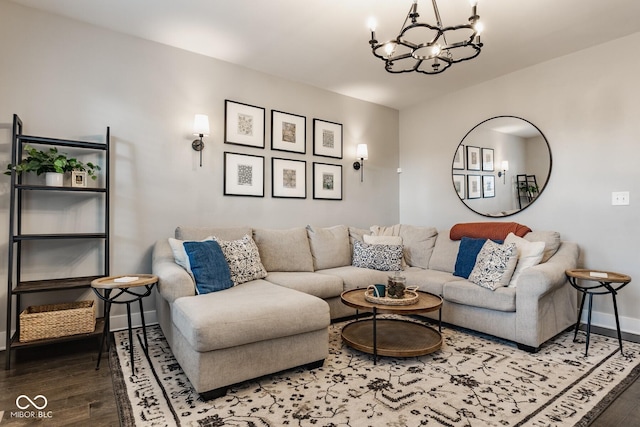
(52,163)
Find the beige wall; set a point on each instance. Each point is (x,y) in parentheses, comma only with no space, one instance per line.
(71,80)
(587,107)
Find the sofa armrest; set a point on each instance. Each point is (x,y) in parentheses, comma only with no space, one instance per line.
(173,281)
(546,277)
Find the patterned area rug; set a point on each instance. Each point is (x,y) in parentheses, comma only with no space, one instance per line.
(474,380)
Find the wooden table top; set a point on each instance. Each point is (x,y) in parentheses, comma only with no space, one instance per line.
(426,303)
(599,276)
(109,282)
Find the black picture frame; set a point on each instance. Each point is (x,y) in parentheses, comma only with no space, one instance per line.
(288,178)
(288,132)
(327,181)
(244,124)
(327,139)
(243,175)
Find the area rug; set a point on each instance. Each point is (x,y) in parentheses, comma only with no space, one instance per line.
(474,380)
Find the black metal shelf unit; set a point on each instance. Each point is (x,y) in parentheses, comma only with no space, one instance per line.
(16,287)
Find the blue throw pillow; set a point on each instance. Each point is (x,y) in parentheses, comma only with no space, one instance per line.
(467,254)
(209,266)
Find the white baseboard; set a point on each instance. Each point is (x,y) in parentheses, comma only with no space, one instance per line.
(118,323)
(608,321)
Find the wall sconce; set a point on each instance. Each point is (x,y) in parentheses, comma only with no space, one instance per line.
(200,128)
(363,154)
(505,168)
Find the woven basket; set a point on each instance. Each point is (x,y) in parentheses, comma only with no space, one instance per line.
(57,320)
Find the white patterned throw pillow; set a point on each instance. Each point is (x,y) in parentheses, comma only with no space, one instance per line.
(243,259)
(494,265)
(377,257)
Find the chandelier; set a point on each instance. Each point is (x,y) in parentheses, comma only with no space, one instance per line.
(429,48)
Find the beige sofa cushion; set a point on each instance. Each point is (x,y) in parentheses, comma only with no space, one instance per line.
(418,244)
(319,285)
(201,233)
(329,246)
(444,253)
(252,312)
(551,241)
(284,250)
(467,293)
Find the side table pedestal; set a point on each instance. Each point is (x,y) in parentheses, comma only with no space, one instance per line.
(607,282)
(129,289)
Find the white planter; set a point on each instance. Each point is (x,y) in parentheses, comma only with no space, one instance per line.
(54,179)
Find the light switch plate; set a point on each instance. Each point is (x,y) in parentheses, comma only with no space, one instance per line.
(620,198)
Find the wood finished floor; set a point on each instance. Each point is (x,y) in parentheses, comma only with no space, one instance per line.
(80,395)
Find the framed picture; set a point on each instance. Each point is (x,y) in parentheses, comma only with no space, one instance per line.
(487,159)
(458,159)
(458,184)
(327,181)
(288,132)
(244,124)
(488,186)
(473,158)
(327,139)
(243,175)
(288,178)
(78,178)
(474,188)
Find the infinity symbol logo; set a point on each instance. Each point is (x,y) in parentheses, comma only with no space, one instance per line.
(30,402)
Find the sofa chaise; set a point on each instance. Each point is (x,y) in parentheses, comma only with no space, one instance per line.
(279,319)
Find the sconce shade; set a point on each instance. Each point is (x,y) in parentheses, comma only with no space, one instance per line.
(201,125)
(505,165)
(362,151)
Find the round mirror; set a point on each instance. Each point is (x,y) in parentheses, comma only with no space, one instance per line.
(501,166)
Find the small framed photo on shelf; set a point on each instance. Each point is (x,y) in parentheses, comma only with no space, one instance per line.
(474,187)
(458,158)
(459,185)
(327,139)
(244,124)
(488,186)
(487,159)
(473,158)
(327,181)
(288,178)
(243,175)
(79,179)
(288,132)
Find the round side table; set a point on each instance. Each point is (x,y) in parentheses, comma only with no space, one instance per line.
(607,282)
(134,288)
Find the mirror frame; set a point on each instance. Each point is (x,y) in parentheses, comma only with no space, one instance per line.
(546,182)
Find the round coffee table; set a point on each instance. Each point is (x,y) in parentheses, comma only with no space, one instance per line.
(392,337)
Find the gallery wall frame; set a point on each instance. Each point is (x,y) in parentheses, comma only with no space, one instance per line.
(459,184)
(473,158)
(458,158)
(327,139)
(327,181)
(487,159)
(488,186)
(243,175)
(474,187)
(288,132)
(244,124)
(288,178)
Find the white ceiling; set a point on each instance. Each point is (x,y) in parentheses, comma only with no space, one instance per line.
(324,43)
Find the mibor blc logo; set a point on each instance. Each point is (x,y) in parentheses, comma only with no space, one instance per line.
(31,407)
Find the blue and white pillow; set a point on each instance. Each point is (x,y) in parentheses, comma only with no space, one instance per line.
(377,257)
(495,265)
(243,259)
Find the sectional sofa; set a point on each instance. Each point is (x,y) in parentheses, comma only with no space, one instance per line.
(279,321)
